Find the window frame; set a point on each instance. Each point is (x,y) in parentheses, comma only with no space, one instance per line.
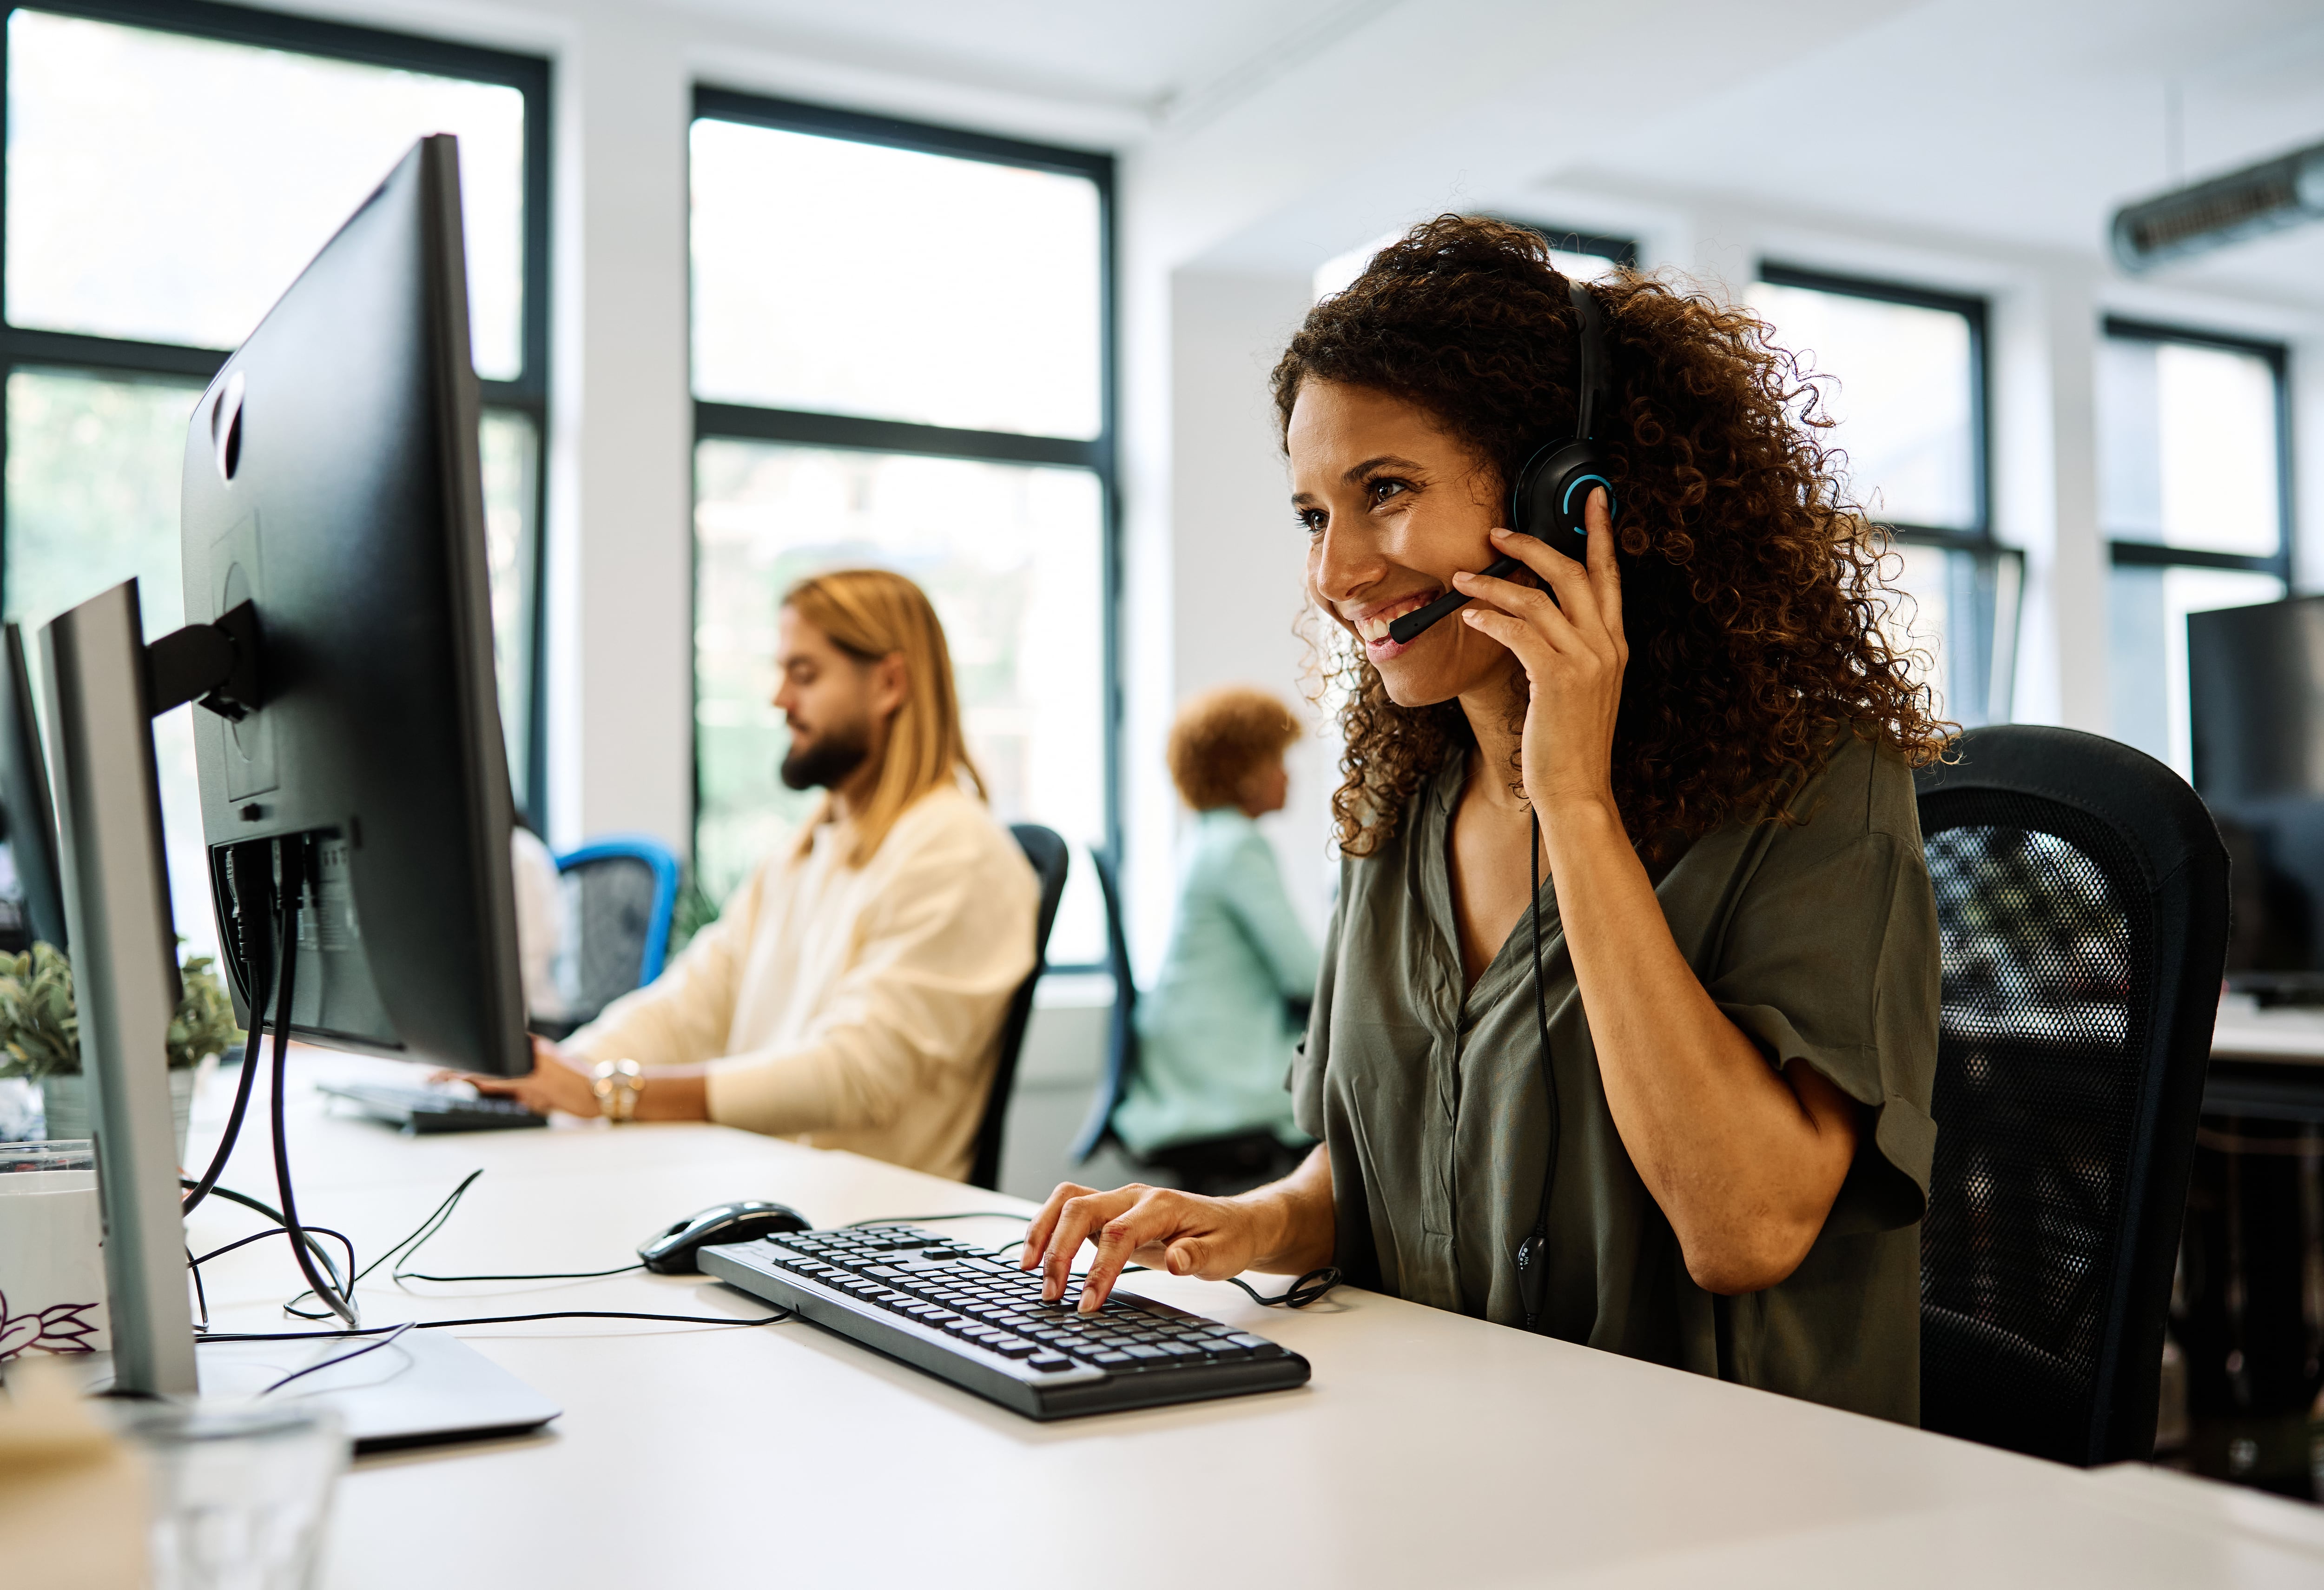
(1991,579)
(528,393)
(1622,251)
(816,428)
(1979,537)
(2124,553)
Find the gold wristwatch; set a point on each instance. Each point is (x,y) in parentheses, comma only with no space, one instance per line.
(617,1085)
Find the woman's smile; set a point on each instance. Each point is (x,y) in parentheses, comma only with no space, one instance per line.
(1370,623)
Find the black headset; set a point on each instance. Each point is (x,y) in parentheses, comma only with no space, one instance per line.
(1546,502)
(1551,492)
(1551,488)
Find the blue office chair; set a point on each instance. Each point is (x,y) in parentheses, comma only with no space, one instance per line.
(622,891)
(1048,855)
(2082,896)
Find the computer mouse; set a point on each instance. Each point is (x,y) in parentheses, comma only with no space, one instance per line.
(745,1220)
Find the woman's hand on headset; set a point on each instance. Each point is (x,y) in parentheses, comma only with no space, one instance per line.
(1286,1227)
(1573,653)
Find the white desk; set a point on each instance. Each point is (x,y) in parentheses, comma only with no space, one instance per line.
(1429,1449)
(2292,1036)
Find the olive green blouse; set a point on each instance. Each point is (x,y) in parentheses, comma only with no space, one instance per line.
(1818,939)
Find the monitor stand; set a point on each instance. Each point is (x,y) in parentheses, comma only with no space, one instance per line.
(104,687)
(124,974)
(424,1387)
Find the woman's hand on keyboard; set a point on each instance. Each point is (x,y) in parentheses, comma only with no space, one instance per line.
(1286,1226)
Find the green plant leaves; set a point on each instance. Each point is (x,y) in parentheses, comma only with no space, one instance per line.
(40,1025)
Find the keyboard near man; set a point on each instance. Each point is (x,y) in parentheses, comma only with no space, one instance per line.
(851,993)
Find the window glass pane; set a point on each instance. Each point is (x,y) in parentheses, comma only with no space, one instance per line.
(1336,272)
(1010,557)
(1583,267)
(93,475)
(2187,446)
(511,457)
(2147,614)
(1957,613)
(1918,606)
(94,467)
(853,279)
(1903,394)
(169,188)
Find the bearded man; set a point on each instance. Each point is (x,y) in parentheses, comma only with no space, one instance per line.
(851,993)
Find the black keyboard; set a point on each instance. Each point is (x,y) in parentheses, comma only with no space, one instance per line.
(421,1109)
(979,1322)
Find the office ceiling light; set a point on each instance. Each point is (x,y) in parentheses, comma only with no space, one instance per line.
(2258,199)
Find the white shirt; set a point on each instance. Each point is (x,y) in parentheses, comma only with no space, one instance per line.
(539,923)
(851,1008)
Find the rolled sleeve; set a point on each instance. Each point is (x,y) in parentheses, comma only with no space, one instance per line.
(1835,964)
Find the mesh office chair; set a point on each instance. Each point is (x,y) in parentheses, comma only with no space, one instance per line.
(1048,855)
(2083,903)
(619,894)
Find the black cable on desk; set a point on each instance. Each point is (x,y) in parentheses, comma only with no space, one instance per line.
(388,1340)
(776,1317)
(293,859)
(260,1206)
(1310,1288)
(261,979)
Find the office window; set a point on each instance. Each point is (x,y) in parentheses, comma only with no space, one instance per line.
(2194,482)
(1905,387)
(1583,255)
(169,170)
(899,345)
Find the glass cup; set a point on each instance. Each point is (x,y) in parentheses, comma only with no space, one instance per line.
(241,1494)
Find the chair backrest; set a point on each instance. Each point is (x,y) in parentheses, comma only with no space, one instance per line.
(1048,855)
(1121,1048)
(2082,896)
(620,892)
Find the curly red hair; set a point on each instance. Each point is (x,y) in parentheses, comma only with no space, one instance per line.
(1751,586)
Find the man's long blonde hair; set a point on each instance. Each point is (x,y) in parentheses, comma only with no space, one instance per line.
(870,614)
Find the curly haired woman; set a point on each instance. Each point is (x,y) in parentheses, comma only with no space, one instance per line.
(1714,746)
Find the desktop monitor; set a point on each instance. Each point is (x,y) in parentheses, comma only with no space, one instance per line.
(2256,708)
(30,830)
(332,482)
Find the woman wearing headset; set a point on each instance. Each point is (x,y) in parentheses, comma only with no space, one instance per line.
(1737,954)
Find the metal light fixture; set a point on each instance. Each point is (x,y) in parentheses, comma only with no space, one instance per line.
(2242,204)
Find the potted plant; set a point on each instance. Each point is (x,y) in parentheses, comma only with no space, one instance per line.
(40,1035)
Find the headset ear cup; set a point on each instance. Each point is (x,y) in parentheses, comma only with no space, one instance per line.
(1552,492)
(1582,470)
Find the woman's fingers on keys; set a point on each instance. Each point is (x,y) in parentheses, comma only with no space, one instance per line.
(1152,1220)
(1078,1220)
(1037,1232)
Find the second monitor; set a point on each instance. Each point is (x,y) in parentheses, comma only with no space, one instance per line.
(332,484)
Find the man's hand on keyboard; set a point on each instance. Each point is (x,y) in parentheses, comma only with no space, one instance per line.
(553,1084)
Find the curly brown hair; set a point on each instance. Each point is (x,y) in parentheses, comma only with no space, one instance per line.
(1751,586)
(1220,737)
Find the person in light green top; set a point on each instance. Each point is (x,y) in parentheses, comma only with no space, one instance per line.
(1216,1032)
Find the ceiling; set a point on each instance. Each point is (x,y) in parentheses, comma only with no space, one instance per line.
(2022,123)
(1144,58)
